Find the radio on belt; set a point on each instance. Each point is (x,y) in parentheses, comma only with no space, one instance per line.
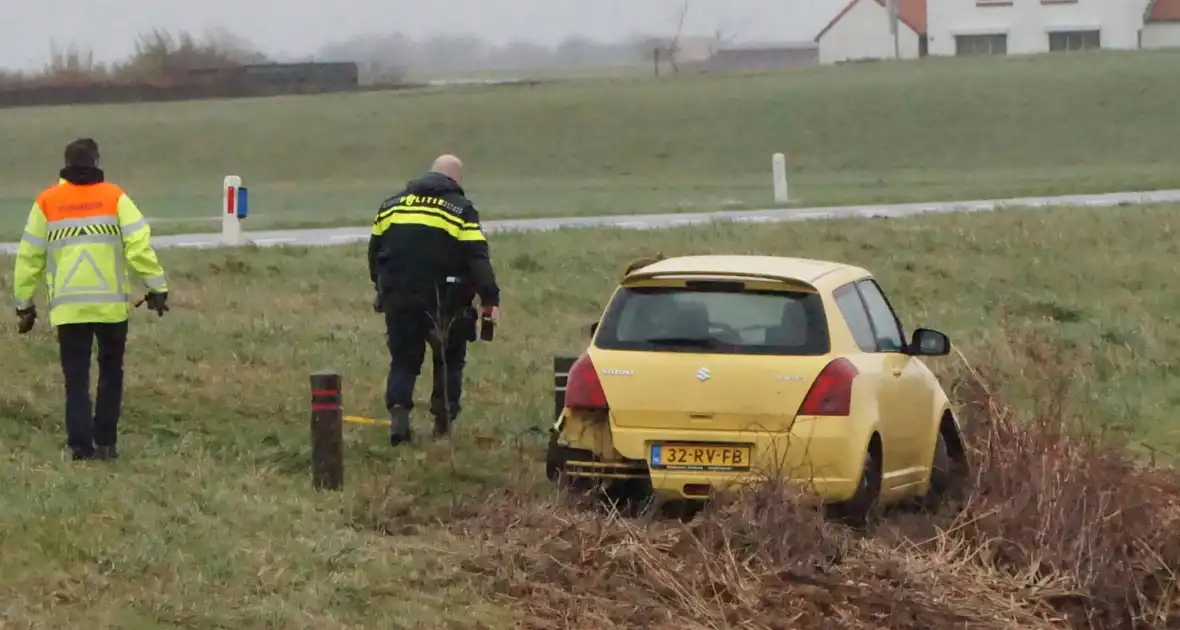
(487,328)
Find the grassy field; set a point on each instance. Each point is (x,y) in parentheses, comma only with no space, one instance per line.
(209,521)
(939,129)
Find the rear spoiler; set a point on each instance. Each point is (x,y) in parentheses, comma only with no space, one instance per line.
(794,283)
(639,263)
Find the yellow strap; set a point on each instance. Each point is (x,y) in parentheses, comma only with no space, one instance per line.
(430,217)
(471,234)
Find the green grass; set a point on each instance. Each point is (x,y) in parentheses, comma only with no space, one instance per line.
(885,132)
(209,521)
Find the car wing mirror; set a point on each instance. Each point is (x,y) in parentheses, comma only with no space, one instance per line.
(927,342)
(592,328)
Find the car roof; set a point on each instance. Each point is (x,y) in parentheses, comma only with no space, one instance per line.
(822,274)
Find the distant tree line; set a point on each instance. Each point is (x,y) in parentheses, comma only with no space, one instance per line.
(160,56)
(448,53)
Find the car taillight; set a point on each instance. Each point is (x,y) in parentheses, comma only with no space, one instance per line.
(831,393)
(583,390)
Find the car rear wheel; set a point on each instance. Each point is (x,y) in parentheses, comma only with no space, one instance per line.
(861,509)
(942,476)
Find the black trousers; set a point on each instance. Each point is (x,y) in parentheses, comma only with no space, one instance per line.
(75,342)
(408,330)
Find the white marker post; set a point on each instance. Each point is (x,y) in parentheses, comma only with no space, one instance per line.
(779,167)
(231,225)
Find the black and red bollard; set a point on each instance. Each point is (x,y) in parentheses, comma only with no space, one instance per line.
(327,431)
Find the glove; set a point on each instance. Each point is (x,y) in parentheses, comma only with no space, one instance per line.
(378,307)
(157,302)
(27,317)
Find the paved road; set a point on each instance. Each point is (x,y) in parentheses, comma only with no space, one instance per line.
(339,236)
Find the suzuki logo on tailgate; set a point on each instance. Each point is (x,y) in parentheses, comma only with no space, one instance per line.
(703,374)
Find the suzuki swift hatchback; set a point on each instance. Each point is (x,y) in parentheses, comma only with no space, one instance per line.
(707,372)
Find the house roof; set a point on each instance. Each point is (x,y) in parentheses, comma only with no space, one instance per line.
(1163,11)
(912,13)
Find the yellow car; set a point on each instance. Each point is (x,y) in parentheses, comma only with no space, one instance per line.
(708,372)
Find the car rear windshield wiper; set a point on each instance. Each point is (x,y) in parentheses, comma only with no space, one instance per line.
(696,342)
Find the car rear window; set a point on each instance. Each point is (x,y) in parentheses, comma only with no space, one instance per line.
(721,318)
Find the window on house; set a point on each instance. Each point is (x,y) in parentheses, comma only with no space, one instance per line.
(1074,40)
(981,44)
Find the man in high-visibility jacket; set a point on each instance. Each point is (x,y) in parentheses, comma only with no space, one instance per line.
(81,236)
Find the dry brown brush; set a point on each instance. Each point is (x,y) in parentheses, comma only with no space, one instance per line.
(1067,509)
(1061,528)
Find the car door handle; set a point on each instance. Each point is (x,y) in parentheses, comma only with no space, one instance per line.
(897,371)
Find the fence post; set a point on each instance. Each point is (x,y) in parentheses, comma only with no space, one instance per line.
(561,372)
(327,438)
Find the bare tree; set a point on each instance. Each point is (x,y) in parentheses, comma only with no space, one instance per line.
(724,35)
(674,45)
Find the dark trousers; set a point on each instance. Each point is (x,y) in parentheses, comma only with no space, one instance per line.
(408,331)
(75,342)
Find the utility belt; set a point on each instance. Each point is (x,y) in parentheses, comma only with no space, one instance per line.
(454,304)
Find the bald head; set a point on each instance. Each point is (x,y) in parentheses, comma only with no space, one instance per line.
(450,166)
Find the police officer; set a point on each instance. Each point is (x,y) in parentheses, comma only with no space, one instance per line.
(81,235)
(428,259)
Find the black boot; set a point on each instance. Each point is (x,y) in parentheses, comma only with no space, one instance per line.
(106,452)
(399,426)
(442,420)
(442,426)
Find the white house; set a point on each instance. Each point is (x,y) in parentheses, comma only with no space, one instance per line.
(1161,28)
(861,31)
(1021,27)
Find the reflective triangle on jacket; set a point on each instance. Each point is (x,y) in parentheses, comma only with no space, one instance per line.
(92,280)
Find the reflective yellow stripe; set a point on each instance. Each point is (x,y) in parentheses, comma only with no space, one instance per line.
(34,240)
(31,259)
(134,226)
(382,222)
(137,245)
(449,217)
(414,218)
(471,234)
(89,298)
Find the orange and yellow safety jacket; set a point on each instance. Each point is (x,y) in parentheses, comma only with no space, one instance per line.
(80,238)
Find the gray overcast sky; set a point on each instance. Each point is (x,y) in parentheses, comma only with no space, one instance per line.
(298,27)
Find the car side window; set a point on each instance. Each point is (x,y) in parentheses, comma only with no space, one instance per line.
(857,318)
(888,333)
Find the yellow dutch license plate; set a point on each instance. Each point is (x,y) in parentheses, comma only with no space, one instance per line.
(700,456)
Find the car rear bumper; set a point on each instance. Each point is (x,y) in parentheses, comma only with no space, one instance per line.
(821,454)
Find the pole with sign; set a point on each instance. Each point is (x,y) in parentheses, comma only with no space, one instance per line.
(234,206)
(778,167)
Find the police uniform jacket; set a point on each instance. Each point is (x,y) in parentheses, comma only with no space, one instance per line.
(427,232)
